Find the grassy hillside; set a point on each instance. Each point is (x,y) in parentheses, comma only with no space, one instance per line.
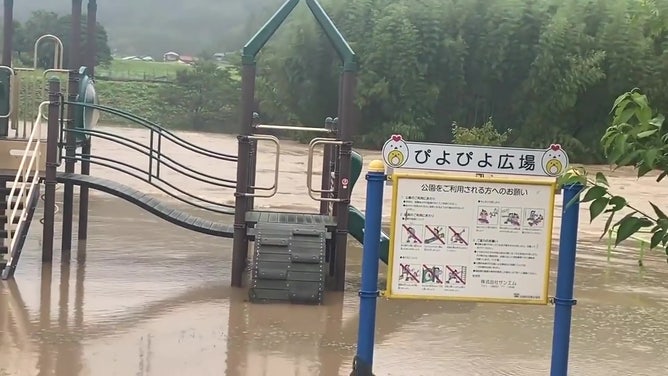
(152,27)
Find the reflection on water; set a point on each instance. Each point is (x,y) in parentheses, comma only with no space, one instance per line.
(144,297)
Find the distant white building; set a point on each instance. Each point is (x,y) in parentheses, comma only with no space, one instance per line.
(171,56)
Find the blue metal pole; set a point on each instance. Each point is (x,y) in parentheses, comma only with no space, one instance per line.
(563,300)
(363,363)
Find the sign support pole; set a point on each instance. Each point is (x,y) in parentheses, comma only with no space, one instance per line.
(363,363)
(563,301)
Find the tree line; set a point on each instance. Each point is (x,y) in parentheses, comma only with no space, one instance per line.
(547,69)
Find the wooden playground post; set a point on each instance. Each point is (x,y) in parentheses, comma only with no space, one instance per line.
(91,51)
(70,139)
(50,173)
(7,49)
(346,118)
(240,243)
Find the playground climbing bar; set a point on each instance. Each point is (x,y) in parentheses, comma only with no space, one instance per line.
(563,300)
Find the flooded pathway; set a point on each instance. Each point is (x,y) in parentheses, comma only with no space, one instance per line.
(144,297)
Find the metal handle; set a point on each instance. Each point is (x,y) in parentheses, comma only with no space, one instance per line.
(293,128)
(273,188)
(309,171)
(11,102)
(56,70)
(53,70)
(58,50)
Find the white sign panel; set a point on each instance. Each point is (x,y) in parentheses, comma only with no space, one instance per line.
(399,153)
(470,239)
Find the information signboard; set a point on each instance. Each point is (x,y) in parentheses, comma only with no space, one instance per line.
(399,153)
(470,239)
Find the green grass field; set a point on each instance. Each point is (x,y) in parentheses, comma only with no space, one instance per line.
(129,85)
(148,70)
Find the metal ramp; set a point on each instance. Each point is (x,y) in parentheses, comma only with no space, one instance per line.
(288,260)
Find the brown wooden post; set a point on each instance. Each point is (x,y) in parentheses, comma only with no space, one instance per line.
(50,173)
(240,243)
(346,128)
(91,60)
(91,37)
(7,50)
(70,139)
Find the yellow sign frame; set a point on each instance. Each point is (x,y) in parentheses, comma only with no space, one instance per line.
(397,177)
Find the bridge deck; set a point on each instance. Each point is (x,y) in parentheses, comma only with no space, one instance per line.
(253,217)
(149,203)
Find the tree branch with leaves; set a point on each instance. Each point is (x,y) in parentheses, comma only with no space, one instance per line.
(636,138)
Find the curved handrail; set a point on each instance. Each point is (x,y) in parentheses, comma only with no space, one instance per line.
(158,128)
(162,189)
(138,146)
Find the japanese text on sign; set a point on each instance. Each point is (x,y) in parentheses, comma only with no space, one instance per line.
(470,239)
(398,153)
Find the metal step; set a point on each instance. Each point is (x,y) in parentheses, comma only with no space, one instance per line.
(288,263)
(4,234)
(3,220)
(4,205)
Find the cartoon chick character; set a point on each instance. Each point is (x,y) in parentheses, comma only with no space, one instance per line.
(554,160)
(395,151)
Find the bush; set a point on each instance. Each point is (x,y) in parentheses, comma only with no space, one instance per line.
(486,134)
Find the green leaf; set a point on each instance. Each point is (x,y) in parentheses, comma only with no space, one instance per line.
(661,176)
(575,198)
(624,116)
(658,121)
(627,227)
(650,157)
(663,223)
(607,225)
(618,102)
(656,239)
(643,169)
(601,179)
(597,207)
(594,193)
(658,211)
(618,148)
(629,158)
(618,202)
(646,134)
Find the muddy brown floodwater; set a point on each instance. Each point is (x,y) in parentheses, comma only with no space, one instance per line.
(144,297)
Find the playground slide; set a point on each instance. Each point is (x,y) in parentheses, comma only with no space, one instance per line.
(356,229)
(356,218)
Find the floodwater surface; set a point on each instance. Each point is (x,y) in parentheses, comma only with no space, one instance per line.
(144,297)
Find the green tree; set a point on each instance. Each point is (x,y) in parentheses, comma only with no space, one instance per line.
(204,98)
(43,22)
(637,138)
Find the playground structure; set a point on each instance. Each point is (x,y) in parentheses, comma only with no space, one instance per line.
(296,256)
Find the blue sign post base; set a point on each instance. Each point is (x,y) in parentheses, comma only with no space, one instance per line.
(360,368)
(563,300)
(363,362)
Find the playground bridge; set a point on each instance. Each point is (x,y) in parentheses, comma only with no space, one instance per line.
(296,256)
